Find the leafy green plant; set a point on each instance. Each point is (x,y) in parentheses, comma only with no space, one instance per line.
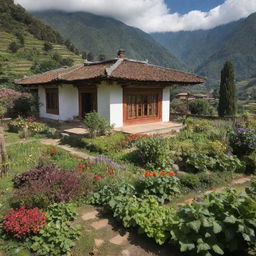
(96,124)
(200,107)
(154,152)
(162,186)
(221,222)
(58,236)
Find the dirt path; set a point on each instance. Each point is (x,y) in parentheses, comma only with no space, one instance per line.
(233,183)
(73,151)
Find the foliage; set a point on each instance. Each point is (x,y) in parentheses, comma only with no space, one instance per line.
(243,141)
(200,107)
(154,152)
(250,161)
(201,162)
(47,46)
(13,47)
(190,180)
(46,185)
(162,185)
(228,98)
(112,142)
(96,124)
(58,236)
(43,66)
(178,106)
(28,123)
(23,222)
(221,222)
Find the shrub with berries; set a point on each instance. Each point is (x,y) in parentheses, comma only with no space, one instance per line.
(24,222)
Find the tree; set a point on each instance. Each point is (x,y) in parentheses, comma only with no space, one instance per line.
(84,55)
(102,57)
(228,98)
(200,107)
(13,47)
(90,56)
(47,47)
(21,39)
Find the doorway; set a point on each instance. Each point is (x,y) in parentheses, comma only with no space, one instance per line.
(88,102)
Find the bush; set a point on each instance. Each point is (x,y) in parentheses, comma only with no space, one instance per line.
(162,185)
(200,107)
(29,123)
(96,125)
(58,236)
(24,222)
(47,47)
(250,161)
(13,47)
(154,152)
(190,181)
(243,141)
(179,106)
(46,185)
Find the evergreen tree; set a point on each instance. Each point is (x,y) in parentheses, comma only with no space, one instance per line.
(90,56)
(228,99)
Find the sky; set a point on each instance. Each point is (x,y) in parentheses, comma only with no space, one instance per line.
(156,15)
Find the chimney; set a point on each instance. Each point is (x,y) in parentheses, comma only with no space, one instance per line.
(121,54)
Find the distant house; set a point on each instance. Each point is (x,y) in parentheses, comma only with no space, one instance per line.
(123,91)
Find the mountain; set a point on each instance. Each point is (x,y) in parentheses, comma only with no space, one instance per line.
(240,48)
(27,45)
(103,35)
(207,50)
(194,47)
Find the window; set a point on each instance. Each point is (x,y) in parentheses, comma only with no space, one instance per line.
(142,106)
(52,101)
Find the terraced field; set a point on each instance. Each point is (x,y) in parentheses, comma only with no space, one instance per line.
(19,64)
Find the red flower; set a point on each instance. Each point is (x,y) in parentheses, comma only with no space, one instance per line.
(171,174)
(153,174)
(111,171)
(99,177)
(147,174)
(81,166)
(162,173)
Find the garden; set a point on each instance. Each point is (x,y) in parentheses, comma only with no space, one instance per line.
(141,181)
(177,192)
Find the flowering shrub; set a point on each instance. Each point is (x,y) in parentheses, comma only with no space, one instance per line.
(23,222)
(48,184)
(29,123)
(243,141)
(8,96)
(163,185)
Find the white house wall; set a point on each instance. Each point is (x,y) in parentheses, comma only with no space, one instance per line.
(166,104)
(110,103)
(68,103)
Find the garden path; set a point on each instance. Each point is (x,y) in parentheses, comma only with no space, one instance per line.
(239,181)
(112,240)
(73,151)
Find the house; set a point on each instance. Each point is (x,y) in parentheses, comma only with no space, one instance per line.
(123,91)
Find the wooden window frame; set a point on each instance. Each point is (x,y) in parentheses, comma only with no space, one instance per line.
(147,92)
(49,110)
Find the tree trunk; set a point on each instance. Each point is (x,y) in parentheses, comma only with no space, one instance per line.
(3,154)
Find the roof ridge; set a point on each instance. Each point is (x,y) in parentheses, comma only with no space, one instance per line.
(110,70)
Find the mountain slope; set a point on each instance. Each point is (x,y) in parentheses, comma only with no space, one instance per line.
(102,35)
(28,35)
(194,47)
(240,48)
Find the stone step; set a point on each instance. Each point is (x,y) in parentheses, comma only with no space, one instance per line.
(175,129)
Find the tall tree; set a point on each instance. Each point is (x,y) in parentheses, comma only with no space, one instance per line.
(228,98)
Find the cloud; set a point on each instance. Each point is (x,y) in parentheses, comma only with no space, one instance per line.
(151,15)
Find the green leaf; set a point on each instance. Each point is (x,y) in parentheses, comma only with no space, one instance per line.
(217,249)
(216,228)
(203,247)
(230,219)
(195,225)
(186,247)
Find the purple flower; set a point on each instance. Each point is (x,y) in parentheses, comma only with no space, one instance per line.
(110,163)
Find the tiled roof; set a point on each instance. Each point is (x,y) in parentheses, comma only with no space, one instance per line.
(119,69)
